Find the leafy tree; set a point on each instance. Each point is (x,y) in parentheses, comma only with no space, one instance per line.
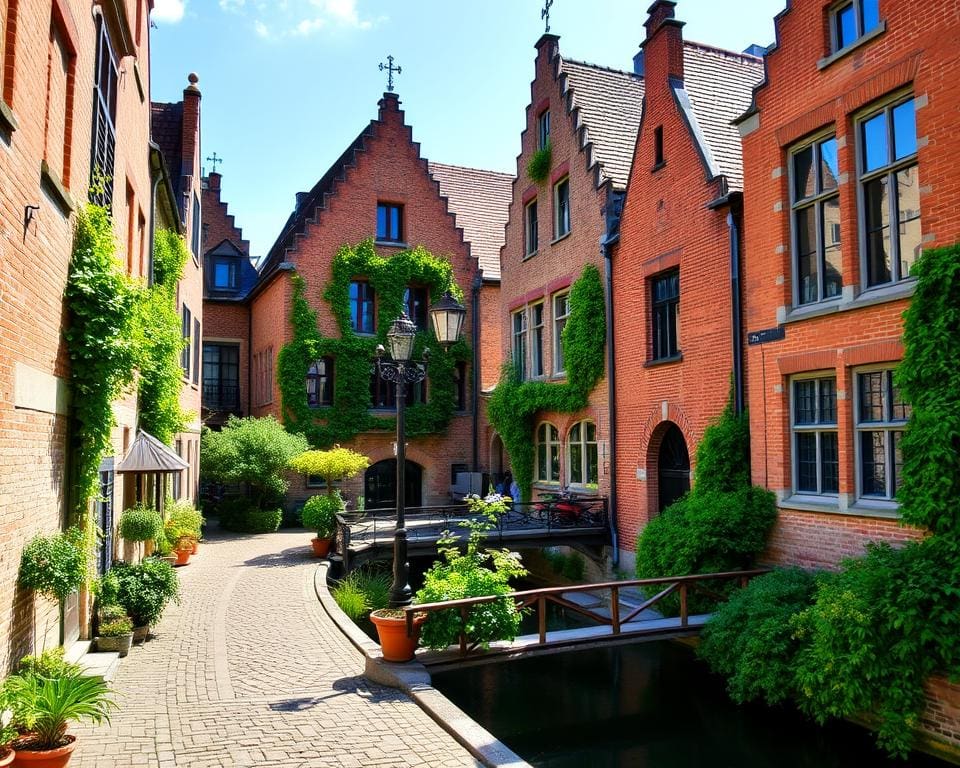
(333,466)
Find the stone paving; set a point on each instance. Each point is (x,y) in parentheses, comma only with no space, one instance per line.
(249,671)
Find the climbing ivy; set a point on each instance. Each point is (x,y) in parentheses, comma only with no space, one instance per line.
(514,403)
(354,354)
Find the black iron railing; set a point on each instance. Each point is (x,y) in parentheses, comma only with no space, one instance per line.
(221,396)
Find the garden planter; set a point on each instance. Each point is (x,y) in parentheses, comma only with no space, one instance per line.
(392,629)
(140,633)
(321,546)
(196,548)
(8,758)
(45,758)
(169,559)
(183,556)
(119,643)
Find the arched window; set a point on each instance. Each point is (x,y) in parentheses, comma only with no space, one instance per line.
(320,382)
(582,457)
(548,453)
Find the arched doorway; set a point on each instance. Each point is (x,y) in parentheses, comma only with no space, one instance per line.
(673,468)
(380,485)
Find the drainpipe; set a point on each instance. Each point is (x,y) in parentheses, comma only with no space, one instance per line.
(606,243)
(475,378)
(737,319)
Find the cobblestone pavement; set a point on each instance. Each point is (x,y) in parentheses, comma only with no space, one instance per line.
(249,671)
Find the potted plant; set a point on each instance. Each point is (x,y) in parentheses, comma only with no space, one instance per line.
(320,515)
(115,631)
(144,590)
(184,516)
(42,708)
(141,524)
(181,540)
(395,643)
(8,732)
(54,566)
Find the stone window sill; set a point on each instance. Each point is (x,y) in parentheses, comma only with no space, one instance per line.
(528,256)
(556,240)
(677,358)
(60,195)
(860,41)
(391,243)
(8,123)
(879,295)
(830,505)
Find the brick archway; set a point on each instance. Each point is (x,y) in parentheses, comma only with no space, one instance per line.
(668,416)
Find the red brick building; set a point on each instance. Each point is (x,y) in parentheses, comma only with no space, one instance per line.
(673,297)
(849,152)
(588,115)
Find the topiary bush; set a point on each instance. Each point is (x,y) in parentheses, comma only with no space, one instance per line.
(56,565)
(141,523)
(320,514)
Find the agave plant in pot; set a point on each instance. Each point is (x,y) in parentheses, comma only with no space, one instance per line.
(320,515)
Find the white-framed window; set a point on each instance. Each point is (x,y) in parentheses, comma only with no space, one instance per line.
(813,424)
(880,417)
(851,20)
(815,204)
(561,311)
(561,208)
(583,467)
(548,453)
(531,232)
(543,129)
(536,346)
(889,192)
(520,343)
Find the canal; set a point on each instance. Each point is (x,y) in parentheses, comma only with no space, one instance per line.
(647,705)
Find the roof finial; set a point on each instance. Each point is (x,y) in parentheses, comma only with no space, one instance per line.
(390,69)
(545,15)
(214,160)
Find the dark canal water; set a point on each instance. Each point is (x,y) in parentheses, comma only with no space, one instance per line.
(650,705)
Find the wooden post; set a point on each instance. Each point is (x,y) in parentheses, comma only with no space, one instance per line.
(615,609)
(542,617)
(463,630)
(683,604)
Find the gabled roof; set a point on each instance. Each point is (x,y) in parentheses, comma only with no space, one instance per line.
(166,128)
(480,201)
(719,85)
(147,454)
(608,104)
(247,277)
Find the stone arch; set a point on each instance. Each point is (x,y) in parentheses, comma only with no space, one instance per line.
(665,416)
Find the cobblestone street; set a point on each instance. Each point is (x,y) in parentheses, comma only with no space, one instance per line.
(248,671)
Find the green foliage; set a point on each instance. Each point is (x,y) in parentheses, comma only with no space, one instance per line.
(182,514)
(55,565)
(750,639)
(241,516)
(929,378)
(145,589)
(320,514)
(101,303)
(362,591)
(115,627)
(353,354)
(570,566)
(252,451)
(334,465)
(159,341)
(514,404)
(473,573)
(723,455)
(50,663)
(141,523)
(538,168)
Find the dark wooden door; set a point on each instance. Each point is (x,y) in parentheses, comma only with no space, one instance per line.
(380,485)
(673,468)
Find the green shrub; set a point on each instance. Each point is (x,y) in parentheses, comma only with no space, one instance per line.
(334,466)
(538,168)
(723,455)
(182,514)
(751,638)
(362,591)
(56,565)
(141,523)
(240,516)
(115,627)
(50,663)
(145,589)
(320,514)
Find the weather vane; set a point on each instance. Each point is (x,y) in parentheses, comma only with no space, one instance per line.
(545,14)
(390,69)
(214,160)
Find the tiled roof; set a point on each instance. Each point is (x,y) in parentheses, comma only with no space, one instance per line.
(480,201)
(720,85)
(609,103)
(166,128)
(248,275)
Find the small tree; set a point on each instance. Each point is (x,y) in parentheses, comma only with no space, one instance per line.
(252,451)
(333,466)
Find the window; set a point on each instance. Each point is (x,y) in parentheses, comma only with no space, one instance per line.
(548,454)
(104,140)
(531,235)
(8,45)
(196,340)
(536,350)
(582,456)
(195,231)
(816,459)
(390,222)
(561,311)
(60,59)
(850,21)
(383,394)
(320,382)
(543,129)
(658,146)
(520,343)
(561,208)
(881,415)
(666,315)
(362,300)
(415,303)
(889,192)
(225,274)
(221,377)
(186,327)
(460,382)
(816,221)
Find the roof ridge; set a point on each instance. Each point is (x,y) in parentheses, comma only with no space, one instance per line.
(470,168)
(707,47)
(601,67)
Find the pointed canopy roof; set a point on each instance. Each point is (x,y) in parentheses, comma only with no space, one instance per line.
(147,454)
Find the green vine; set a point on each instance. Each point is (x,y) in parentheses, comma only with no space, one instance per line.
(539,166)
(514,403)
(353,354)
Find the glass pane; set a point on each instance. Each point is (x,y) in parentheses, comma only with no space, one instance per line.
(542,433)
(832,276)
(803,179)
(381,222)
(873,466)
(807,462)
(829,463)
(221,275)
(871,14)
(904,130)
(554,434)
(555,462)
(805,402)
(575,433)
(875,151)
(908,215)
(538,314)
(576,463)
(591,432)
(877,214)
(808,286)
(901,409)
(355,305)
(871,396)
(828,401)
(846,26)
(395,222)
(829,165)
(593,473)
(897,461)
(542,461)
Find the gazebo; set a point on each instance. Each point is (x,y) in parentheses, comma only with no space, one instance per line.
(148,456)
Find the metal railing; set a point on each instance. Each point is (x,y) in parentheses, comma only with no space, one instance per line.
(219,396)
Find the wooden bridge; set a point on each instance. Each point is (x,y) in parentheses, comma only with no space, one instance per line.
(362,537)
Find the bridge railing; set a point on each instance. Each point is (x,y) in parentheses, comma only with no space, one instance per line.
(610,615)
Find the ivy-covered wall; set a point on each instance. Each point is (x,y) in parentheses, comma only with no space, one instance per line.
(354,353)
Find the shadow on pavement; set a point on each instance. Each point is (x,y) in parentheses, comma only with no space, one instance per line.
(291,557)
(357,685)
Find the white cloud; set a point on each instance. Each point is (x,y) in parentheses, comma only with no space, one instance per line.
(169,11)
(309,26)
(276,19)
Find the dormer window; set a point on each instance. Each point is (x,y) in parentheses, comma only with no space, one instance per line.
(389,223)
(225,274)
(850,21)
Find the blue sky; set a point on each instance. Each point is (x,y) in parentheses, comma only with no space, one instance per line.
(287,84)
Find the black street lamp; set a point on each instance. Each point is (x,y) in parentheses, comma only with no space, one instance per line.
(447,315)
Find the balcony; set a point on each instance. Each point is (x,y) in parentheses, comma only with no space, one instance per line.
(221,396)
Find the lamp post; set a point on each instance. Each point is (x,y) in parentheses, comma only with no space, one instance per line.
(447,315)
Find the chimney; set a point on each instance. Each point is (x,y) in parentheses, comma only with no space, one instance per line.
(390,103)
(301,196)
(190,140)
(664,42)
(213,182)
(638,63)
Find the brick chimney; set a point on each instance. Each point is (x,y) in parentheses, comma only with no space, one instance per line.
(213,182)
(190,139)
(663,46)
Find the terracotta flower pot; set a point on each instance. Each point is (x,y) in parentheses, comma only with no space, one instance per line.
(392,630)
(183,556)
(45,758)
(321,546)
(7,759)
(196,547)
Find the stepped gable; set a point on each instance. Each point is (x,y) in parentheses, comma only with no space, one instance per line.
(480,202)
(608,104)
